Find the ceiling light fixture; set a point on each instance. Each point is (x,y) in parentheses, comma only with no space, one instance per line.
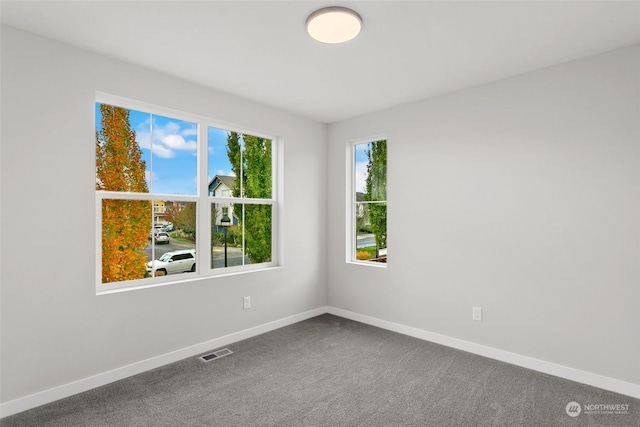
(334,24)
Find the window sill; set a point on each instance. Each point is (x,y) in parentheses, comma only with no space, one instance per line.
(177,281)
(369,264)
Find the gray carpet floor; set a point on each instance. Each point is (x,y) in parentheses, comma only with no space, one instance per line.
(329,371)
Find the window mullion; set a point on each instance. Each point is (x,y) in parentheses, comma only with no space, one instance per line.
(203,217)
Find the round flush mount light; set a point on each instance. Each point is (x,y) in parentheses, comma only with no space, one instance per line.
(334,24)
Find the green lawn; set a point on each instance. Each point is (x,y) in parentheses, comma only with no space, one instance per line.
(179,238)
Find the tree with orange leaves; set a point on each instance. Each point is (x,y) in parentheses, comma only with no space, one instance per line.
(125,223)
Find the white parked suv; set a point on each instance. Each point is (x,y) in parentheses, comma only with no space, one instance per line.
(161,237)
(174,262)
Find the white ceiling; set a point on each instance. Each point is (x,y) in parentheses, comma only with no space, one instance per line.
(406,51)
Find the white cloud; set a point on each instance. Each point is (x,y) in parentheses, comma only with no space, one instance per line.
(162,151)
(142,138)
(142,134)
(171,127)
(177,142)
(166,139)
(223,173)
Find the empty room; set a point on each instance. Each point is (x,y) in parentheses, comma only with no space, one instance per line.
(308,213)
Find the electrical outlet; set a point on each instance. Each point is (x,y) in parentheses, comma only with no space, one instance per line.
(477,314)
(246,303)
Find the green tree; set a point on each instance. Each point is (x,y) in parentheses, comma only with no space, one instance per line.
(183,217)
(125,223)
(376,190)
(252,167)
(234,153)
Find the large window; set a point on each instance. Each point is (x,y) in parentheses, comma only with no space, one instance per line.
(157,220)
(368,242)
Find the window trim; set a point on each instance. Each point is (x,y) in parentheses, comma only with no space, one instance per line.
(201,198)
(350,201)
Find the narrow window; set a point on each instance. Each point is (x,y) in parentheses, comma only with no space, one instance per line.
(241,198)
(369,202)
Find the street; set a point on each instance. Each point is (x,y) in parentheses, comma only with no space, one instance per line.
(365,240)
(234,254)
(234,257)
(173,245)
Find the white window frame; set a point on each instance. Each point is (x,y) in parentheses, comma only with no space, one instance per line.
(350,201)
(202,199)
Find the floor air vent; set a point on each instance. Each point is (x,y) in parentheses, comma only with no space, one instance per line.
(216,355)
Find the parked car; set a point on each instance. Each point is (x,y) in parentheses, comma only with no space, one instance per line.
(169,227)
(174,262)
(161,237)
(156,229)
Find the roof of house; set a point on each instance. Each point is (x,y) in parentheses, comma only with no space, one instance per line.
(229,181)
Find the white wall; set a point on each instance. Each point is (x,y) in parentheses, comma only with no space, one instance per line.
(54,328)
(520,196)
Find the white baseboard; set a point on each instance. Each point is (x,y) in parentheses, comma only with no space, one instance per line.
(85,384)
(595,380)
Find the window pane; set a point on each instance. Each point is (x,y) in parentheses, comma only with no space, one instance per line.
(371,171)
(241,237)
(131,239)
(219,164)
(174,163)
(360,170)
(371,231)
(232,155)
(173,237)
(125,233)
(125,142)
(257,233)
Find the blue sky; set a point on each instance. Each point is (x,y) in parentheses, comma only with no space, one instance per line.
(361,166)
(217,153)
(172,168)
